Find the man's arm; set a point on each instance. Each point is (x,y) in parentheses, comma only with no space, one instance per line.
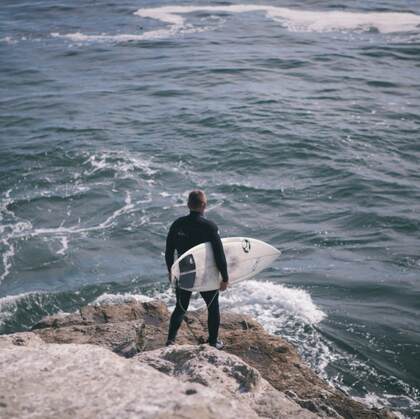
(219,253)
(170,248)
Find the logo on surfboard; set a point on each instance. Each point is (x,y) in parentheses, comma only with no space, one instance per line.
(246,245)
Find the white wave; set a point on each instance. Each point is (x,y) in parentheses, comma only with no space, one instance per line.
(9,251)
(289,312)
(373,400)
(176,25)
(4,210)
(383,400)
(8,305)
(81,37)
(174,29)
(329,21)
(64,246)
(138,167)
(108,298)
(8,40)
(292,19)
(7,258)
(126,209)
(271,304)
(123,164)
(296,20)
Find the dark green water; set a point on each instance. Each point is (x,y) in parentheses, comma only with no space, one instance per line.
(300,121)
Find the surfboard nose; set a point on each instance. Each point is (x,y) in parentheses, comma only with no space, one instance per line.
(274,250)
(274,253)
(265,248)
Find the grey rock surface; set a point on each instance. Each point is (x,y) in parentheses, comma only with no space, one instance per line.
(20,339)
(136,327)
(226,373)
(84,381)
(122,328)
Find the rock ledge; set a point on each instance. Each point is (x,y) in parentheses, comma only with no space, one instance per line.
(258,375)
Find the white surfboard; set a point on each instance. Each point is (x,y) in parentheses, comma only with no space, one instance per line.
(196,269)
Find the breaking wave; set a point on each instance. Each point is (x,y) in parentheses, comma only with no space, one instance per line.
(109,298)
(293,20)
(273,305)
(296,20)
(10,305)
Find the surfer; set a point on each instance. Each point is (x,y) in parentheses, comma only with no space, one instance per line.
(185,233)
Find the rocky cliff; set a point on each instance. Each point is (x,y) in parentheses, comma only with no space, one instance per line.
(110,361)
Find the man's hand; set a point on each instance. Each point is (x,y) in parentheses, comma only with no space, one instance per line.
(223,285)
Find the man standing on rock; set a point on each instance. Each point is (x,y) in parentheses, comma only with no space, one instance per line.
(185,233)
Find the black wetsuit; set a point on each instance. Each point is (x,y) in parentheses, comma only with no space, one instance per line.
(185,233)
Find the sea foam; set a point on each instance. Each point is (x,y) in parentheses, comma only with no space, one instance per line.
(293,20)
(109,298)
(9,304)
(297,20)
(271,304)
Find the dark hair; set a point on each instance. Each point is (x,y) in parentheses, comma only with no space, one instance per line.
(196,199)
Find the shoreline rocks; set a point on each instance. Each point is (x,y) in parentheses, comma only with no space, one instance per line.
(86,381)
(261,373)
(226,373)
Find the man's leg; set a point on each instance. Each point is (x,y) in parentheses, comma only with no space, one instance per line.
(212,300)
(182,302)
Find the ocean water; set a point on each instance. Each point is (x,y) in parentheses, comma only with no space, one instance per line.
(301,121)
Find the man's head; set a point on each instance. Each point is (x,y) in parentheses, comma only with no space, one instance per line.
(197,201)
